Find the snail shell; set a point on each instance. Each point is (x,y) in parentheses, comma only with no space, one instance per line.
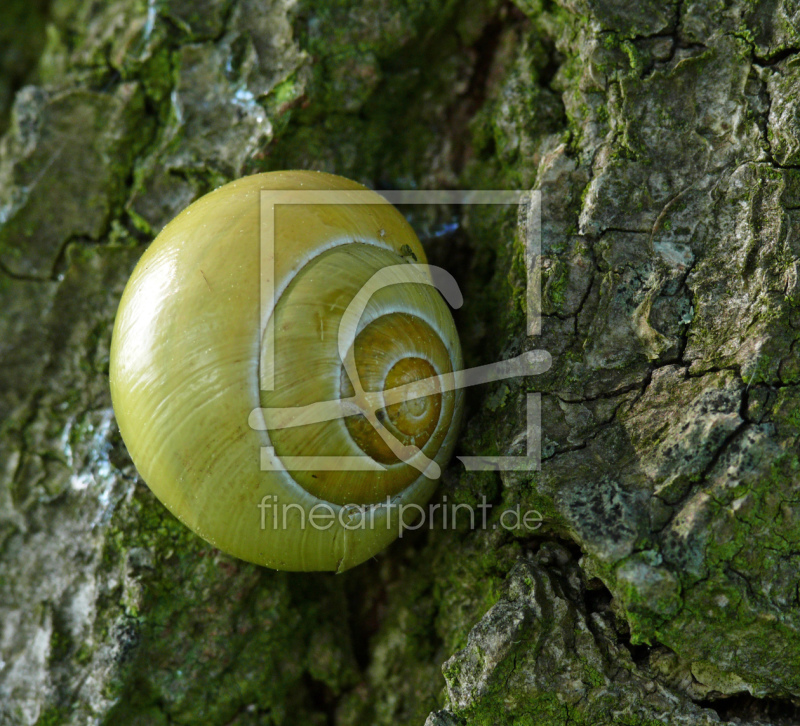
(191,349)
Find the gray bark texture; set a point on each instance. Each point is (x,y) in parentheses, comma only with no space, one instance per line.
(663,586)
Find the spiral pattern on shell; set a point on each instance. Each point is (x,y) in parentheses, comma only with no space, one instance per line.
(354,315)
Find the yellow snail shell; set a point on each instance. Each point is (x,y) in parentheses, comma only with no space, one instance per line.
(189,355)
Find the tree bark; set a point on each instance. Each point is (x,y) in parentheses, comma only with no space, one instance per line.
(664,583)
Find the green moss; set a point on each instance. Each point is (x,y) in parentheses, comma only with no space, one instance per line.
(158,75)
(542,710)
(760,371)
(360,123)
(557,283)
(649,593)
(281,100)
(635,58)
(84,654)
(22,37)
(201,662)
(552,519)
(706,611)
(52,717)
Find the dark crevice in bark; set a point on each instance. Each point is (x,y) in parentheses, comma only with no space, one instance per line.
(775,58)
(616,393)
(22,278)
(19,60)
(61,261)
(639,652)
(485,49)
(745,708)
(599,599)
(567,449)
(364,616)
(711,369)
(623,230)
(322,699)
(645,385)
